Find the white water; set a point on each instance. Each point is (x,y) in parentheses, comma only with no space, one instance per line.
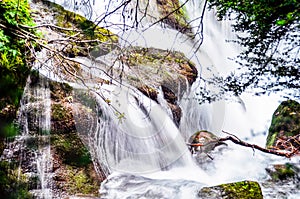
(43,154)
(148,146)
(40,93)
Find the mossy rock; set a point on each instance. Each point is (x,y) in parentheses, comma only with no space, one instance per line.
(97,40)
(155,67)
(81,182)
(62,120)
(236,190)
(70,149)
(280,172)
(285,124)
(150,69)
(60,91)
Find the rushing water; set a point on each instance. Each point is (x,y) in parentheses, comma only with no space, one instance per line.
(137,145)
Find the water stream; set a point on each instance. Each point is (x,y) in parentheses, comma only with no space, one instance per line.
(136,143)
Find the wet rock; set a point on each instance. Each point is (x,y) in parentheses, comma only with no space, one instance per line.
(149,92)
(280,172)
(150,69)
(171,99)
(176,20)
(62,120)
(283,181)
(284,132)
(236,190)
(204,142)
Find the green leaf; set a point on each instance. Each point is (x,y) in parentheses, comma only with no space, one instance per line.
(281,22)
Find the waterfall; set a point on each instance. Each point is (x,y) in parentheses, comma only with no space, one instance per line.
(38,97)
(133,138)
(32,146)
(43,154)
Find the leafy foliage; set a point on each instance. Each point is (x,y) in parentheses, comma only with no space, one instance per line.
(269,31)
(14,54)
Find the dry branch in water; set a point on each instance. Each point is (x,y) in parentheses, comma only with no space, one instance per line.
(286,152)
(238,141)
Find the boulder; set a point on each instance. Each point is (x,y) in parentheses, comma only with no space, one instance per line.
(236,190)
(203,142)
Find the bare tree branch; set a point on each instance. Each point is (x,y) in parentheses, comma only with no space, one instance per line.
(238,141)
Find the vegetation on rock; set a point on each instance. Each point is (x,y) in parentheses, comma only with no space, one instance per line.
(237,190)
(284,132)
(152,68)
(12,183)
(74,168)
(92,40)
(281,172)
(15,58)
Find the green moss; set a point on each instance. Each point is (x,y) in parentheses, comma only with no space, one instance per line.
(237,190)
(60,91)
(154,58)
(71,149)
(243,190)
(285,121)
(283,172)
(97,40)
(59,112)
(79,181)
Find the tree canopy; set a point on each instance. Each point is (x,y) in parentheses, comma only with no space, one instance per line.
(269,32)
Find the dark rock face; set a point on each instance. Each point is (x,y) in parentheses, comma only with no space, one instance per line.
(284,132)
(237,190)
(171,99)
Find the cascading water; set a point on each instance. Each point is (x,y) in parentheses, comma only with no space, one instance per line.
(43,154)
(32,146)
(137,144)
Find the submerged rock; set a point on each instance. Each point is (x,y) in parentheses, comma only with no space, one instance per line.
(280,172)
(283,181)
(284,132)
(236,190)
